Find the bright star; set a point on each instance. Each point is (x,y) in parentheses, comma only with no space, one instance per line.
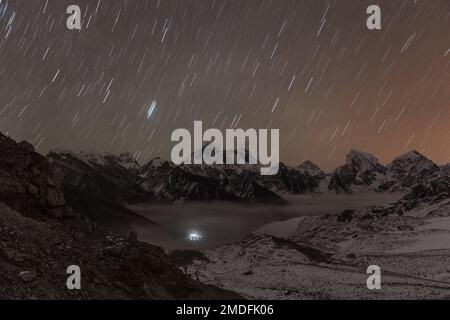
(151,108)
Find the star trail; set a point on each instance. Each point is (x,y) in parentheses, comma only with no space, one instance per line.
(139,69)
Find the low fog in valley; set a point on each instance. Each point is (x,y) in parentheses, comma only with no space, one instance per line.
(223,222)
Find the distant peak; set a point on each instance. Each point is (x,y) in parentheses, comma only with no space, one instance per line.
(155,162)
(359,153)
(361,160)
(308,163)
(310,168)
(411,154)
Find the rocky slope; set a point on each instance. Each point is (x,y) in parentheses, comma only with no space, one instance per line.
(204,183)
(40,236)
(229,182)
(325,257)
(99,186)
(409,170)
(119,180)
(105,176)
(328,258)
(27,183)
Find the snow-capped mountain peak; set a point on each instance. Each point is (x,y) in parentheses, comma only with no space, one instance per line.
(412,160)
(311,168)
(410,156)
(362,161)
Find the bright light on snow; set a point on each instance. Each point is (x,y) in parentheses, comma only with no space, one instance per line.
(195,236)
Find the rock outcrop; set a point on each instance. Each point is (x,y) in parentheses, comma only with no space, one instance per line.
(27,182)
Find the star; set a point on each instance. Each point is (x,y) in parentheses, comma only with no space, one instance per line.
(151,109)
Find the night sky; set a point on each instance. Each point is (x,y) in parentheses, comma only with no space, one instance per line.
(139,69)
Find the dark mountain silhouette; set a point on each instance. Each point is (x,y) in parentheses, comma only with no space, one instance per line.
(41,235)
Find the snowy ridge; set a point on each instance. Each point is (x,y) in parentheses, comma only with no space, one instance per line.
(361,173)
(126,160)
(362,161)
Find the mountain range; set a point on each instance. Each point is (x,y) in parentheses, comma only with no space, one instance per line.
(71,208)
(120,178)
(100,185)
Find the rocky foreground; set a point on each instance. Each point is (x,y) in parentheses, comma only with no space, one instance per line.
(40,236)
